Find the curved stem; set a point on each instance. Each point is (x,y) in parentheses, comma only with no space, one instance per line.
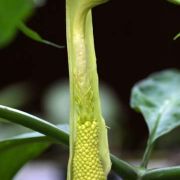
(125,170)
(33,122)
(170,173)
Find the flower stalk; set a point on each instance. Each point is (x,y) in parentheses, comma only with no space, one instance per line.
(89,152)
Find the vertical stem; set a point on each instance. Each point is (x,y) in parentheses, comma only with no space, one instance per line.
(147,154)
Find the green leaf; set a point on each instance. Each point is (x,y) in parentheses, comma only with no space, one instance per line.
(35,36)
(177,36)
(158,99)
(11,13)
(14,153)
(27,146)
(177,2)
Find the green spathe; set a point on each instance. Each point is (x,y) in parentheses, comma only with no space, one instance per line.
(85,104)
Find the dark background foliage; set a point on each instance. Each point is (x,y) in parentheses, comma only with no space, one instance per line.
(132,38)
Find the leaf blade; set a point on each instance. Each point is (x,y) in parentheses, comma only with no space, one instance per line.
(26,149)
(11,12)
(25,153)
(177,2)
(157,98)
(28,146)
(35,36)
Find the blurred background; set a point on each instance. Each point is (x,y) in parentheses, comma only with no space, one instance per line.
(132,39)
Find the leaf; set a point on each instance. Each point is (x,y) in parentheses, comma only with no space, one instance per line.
(158,99)
(177,2)
(11,13)
(35,36)
(177,36)
(26,146)
(15,152)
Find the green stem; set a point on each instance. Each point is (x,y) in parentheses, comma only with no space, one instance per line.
(169,173)
(125,170)
(33,122)
(147,154)
(152,137)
